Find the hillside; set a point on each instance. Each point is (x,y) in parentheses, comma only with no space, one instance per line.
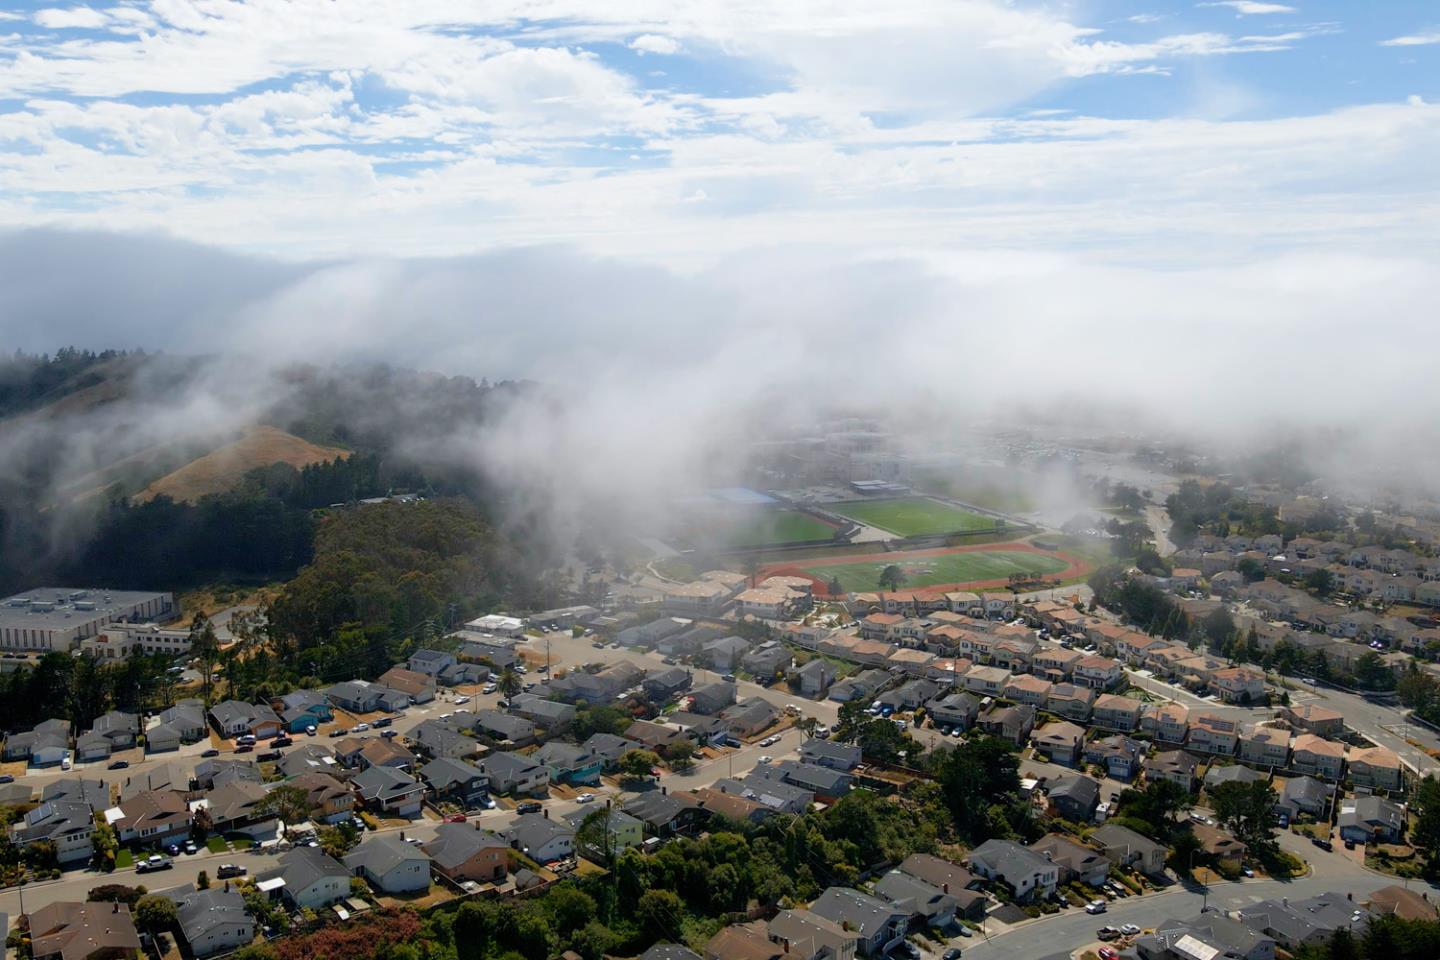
(219,470)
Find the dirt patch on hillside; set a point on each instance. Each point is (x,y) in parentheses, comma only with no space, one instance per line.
(220,469)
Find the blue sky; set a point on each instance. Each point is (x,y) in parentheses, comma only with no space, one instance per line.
(686,132)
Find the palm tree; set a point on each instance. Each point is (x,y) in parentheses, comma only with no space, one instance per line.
(509,682)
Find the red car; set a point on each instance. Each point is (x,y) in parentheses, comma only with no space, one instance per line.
(1109,953)
(455,818)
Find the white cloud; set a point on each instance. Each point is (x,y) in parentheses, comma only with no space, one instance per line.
(655,43)
(1250,8)
(71,18)
(1413,40)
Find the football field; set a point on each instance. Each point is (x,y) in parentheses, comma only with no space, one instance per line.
(971,566)
(912,516)
(776,526)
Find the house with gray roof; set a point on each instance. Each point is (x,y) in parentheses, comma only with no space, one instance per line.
(1127,849)
(390,791)
(804,935)
(831,753)
(1028,874)
(442,738)
(775,793)
(767,661)
(954,710)
(68,824)
(513,774)
(911,694)
(212,921)
(712,698)
(545,713)
(880,925)
(182,723)
(540,838)
(1371,819)
(926,902)
(815,677)
(662,686)
(825,782)
(724,654)
(232,718)
(430,662)
(1310,922)
(749,717)
(1219,774)
(1304,795)
(454,781)
(505,728)
(1075,797)
(390,863)
(218,771)
(461,852)
(308,758)
(310,877)
(568,763)
(1210,936)
(663,813)
(610,748)
(1076,862)
(357,696)
(862,686)
(118,727)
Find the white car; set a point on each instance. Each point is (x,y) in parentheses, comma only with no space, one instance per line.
(361,727)
(585,798)
(462,699)
(66,764)
(1096,906)
(957,733)
(765,758)
(490,688)
(446,716)
(1129,929)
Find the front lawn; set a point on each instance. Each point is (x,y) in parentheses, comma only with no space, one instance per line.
(124,859)
(217,845)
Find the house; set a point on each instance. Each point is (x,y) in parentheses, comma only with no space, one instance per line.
(1213,734)
(1059,741)
(239,807)
(1071,701)
(430,662)
(212,921)
(1027,688)
(496,624)
(505,728)
(68,824)
(878,925)
(1056,664)
(68,930)
(301,709)
(662,686)
(1265,746)
(391,792)
(1167,722)
(1295,924)
(1116,713)
(461,852)
(1376,767)
(441,738)
(1098,673)
(167,776)
(1402,902)
(1318,757)
(1127,849)
(951,878)
(1304,795)
(91,746)
(540,838)
(667,814)
(118,727)
(384,752)
(768,661)
(1075,797)
(1371,819)
(156,818)
(454,781)
(656,736)
(862,686)
(1210,935)
(540,711)
(1243,685)
(825,783)
(1076,862)
(513,774)
(712,698)
(1027,873)
(610,748)
(622,831)
(419,687)
(182,723)
(927,904)
(829,753)
(724,654)
(1013,723)
(803,935)
(357,696)
(390,864)
(987,681)
(231,718)
(773,793)
(740,941)
(309,877)
(911,694)
(731,806)
(1217,776)
(815,677)
(329,799)
(568,763)
(954,709)
(749,717)
(218,771)
(1219,844)
(1119,755)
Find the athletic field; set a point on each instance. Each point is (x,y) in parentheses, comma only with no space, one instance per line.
(912,516)
(951,569)
(775,526)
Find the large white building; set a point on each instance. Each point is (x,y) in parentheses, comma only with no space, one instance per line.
(60,618)
(117,642)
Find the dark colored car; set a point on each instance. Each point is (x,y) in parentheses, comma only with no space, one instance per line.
(245,748)
(529,806)
(281,742)
(382,722)
(1322,843)
(211,753)
(118,765)
(952,954)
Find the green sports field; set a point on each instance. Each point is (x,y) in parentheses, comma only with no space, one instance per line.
(969,567)
(776,526)
(913,516)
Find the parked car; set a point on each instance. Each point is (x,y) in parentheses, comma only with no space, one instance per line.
(585,798)
(1096,907)
(489,688)
(1129,929)
(728,678)
(228,870)
(66,764)
(1349,844)
(952,954)
(7,778)
(245,748)
(455,818)
(211,753)
(1109,953)
(529,806)
(764,758)
(389,734)
(1108,933)
(339,732)
(118,765)
(383,722)
(310,730)
(153,862)
(190,846)
(964,931)
(462,699)
(1323,843)
(361,727)
(281,742)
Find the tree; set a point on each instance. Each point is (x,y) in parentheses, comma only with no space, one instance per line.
(892,577)
(509,683)
(1248,810)
(637,764)
(1251,569)
(116,893)
(1321,581)
(808,725)
(105,845)
(1426,835)
(661,912)
(290,803)
(205,646)
(1183,849)
(154,913)
(336,841)
(202,881)
(1418,691)
(880,740)
(1160,804)
(570,907)
(1372,673)
(594,941)
(835,588)
(680,755)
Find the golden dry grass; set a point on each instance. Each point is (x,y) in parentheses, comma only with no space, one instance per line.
(219,470)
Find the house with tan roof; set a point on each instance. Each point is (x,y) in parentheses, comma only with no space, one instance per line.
(1059,741)
(1116,712)
(1374,767)
(1169,722)
(1313,718)
(1318,757)
(1099,673)
(962,601)
(419,687)
(1027,688)
(1056,664)
(1265,746)
(1213,734)
(1070,701)
(987,681)
(1238,685)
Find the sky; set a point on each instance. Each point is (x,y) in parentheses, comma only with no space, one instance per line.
(677,132)
(689,217)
